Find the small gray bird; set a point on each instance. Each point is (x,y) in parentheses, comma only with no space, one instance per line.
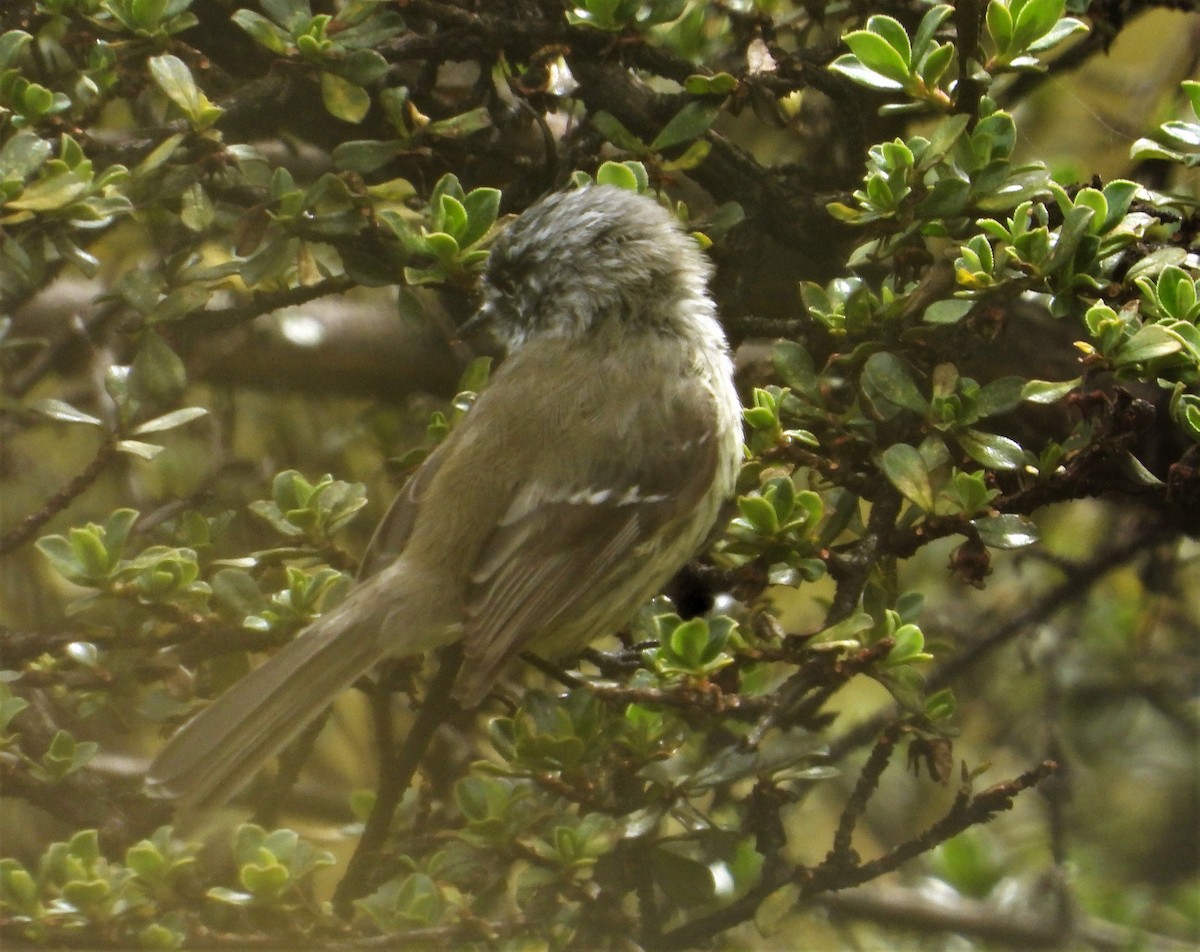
(589,470)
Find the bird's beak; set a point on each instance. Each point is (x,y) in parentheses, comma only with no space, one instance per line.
(476,325)
(478,333)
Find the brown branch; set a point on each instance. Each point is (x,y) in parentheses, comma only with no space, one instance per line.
(894,907)
(852,569)
(966,812)
(1078,583)
(291,762)
(397,767)
(258,304)
(805,693)
(86,797)
(28,527)
(834,874)
(842,852)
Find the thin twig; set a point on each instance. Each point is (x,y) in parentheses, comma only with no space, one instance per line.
(1075,586)
(868,781)
(829,876)
(397,768)
(28,527)
(291,762)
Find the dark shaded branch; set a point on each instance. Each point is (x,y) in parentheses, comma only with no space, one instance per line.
(834,874)
(260,303)
(397,767)
(966,812)
(864,789)
(852,569)
(291,762)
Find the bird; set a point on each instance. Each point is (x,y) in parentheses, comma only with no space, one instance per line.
(589,470)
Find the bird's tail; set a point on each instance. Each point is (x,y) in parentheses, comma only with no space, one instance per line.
(217,752)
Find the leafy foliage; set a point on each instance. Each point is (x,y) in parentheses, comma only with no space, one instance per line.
(206,165)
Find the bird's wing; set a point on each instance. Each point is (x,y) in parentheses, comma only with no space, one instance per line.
(394,530)
(559,551)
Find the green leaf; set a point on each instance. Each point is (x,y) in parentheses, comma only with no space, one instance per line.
(1000,25)
(157,372)
(1047,391)
(1153,340)
(1035,20)
(1155,262)
(148,13)
(928,27)
(230,897)
(482,206)
(693,120)
(947,312)
(365,155)
(263,30)
(759,513)
(615,132)
(946,199)
(137,448)
(895,34)
(1077,222)
(999,396)
(63,411)
(10,706)
(905,468)
(990,449)
(12,42)
(850,67)
(692,156)
(361,67)
(116,532)
(794,366)
(1191,89)
(909,647)
(720,84)
(1006,531)
(450,216)
(1119,195)
(175,79)
(464,124)
(344,100)
(934,66)
(877,54)
(886,376)
(1067,26)
(1176,293)
(197,212)
(23,154)
(169,421)
(57,190)
(65,756)
(617,174)
(1183,132)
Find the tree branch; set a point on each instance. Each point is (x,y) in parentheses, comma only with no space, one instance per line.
(397,767)
(28,527)
(895,907)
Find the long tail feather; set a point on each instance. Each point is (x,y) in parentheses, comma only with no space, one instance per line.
(217,752)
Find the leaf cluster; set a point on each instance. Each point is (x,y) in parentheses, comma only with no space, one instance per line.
(661,797)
